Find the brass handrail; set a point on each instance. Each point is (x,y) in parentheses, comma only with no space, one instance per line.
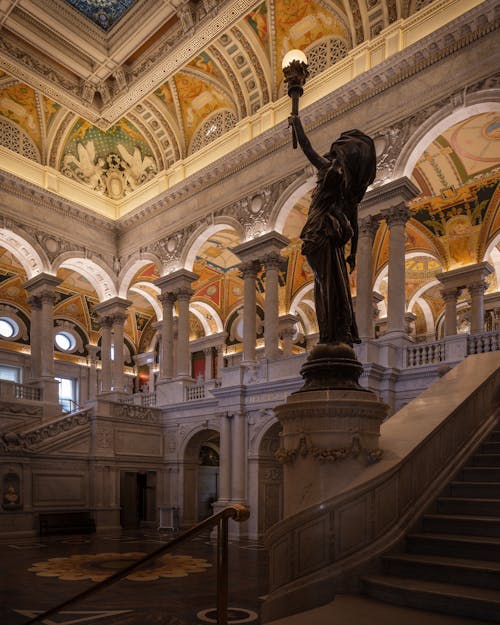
(236,512)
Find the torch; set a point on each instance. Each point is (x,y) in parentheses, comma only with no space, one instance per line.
(294,65)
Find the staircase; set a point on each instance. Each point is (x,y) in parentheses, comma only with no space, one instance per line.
(452,565)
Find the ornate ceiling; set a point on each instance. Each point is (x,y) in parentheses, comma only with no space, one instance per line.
(111,107)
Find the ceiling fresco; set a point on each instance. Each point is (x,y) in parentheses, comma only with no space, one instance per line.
(114,149)
(104,13)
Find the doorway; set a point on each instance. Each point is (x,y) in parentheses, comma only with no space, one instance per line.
(201,476)
(137,498)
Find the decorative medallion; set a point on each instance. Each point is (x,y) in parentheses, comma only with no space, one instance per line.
(98,567)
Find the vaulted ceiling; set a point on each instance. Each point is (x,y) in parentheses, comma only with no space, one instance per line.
(110,94)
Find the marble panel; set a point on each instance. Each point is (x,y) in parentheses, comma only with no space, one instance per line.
(135,443)
(55,488)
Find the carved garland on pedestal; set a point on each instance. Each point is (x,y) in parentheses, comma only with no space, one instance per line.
(328,455)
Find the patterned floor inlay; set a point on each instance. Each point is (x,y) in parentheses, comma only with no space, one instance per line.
(97,567)
(234,616)
(72,617)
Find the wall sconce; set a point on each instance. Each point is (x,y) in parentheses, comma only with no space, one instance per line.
(294,66)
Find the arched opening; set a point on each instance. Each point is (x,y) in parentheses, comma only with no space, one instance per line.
(201,476)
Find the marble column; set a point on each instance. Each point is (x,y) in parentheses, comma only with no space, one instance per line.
(112,314)
(450,296)
(476,291)
(209,363)
(271,264)
(35,303)
(220,360)
(106,362)
(396,218)
(364,289)
(167,336)
(239,457)
(92,377)
(249,271)
(225,458)
(118,360)
(41,290)
(250,252)
(183,353)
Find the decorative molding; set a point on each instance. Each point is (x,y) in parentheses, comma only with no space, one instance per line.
(329,455)
(25,441)
(136,413)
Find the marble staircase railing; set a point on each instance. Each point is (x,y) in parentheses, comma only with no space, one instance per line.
(320,550)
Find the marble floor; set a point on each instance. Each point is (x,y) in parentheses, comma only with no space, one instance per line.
(175,589)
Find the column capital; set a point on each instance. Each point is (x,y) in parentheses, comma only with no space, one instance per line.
(397,215)
(249,268)
(112,306)
(119,318)
(272,260)
(105,321)
(167,298)
(43,282)
(477,288)
(368,226)
(35,302)
(183,293)
(182,278)
(450,293)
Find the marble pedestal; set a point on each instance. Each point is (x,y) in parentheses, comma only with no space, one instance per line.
(331,429)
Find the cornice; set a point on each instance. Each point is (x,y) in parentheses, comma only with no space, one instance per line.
(14,186)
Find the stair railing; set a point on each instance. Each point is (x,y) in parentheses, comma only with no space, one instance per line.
(220,520)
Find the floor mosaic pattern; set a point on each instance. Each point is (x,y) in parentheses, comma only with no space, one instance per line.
(176,589)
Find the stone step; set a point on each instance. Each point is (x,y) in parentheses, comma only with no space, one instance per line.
(494,436)
(455,545)
(469,506)
(465,572)
(490,447)
(480,490)
(461,524)
(479,603)
(485,460)
(480,474)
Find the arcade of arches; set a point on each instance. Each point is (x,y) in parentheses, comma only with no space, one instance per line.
(152,288)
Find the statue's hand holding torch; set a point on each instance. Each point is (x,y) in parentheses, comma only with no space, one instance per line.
(295,70)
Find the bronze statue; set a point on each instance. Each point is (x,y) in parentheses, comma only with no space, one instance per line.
(344,174)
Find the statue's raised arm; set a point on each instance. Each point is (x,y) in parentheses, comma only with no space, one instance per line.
(344,174)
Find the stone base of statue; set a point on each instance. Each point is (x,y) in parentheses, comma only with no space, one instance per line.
(331,428)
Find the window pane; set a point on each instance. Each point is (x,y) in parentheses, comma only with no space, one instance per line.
(13,374)
(7,328)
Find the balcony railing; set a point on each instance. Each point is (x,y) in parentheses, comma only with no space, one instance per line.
(425,354)
(13,390)
(196,390)
(481,343)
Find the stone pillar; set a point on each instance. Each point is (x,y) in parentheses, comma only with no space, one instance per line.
(396,218)
(471,277)
(271,264)
(92,378)
(249,273)
(106,362)
(118,361)
(450,296)
(250,253)
(225,458)
(112,314)
(167,336)
(35,303)
(209,363)
(41,291)
(220,359)
(364,289)
(239,457)
(476,291)
(183,352)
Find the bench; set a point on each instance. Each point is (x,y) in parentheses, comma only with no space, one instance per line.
(66,522)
